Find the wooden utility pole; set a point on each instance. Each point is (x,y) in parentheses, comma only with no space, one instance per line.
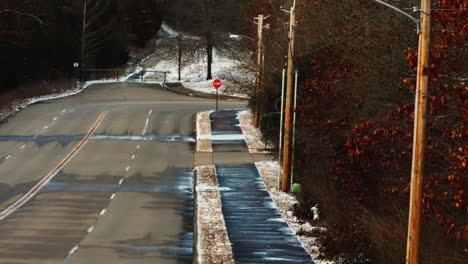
(289,88)
(419,136)
(259,68)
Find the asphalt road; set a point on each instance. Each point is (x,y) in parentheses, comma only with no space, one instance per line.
(100,177)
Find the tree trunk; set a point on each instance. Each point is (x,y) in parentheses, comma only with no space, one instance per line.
(83,36)
(179,39)
(209,51)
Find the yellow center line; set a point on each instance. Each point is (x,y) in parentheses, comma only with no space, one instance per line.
(43,182)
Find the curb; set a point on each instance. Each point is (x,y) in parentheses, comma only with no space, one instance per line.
(211,240)
(203,127)
(195,216)
(177,87)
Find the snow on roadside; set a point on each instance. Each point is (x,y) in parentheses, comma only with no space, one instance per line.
(167,32)
(204,132)
(223,68)
(193,74)
(253,136)
(268,170)
(27,102)
(213,245)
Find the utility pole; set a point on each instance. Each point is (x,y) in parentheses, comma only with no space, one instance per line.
(293,147)
(289,88)
(419,136)
(259,67)
(280,145)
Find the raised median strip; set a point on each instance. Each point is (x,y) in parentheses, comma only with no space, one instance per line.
(204,143)
(212,240)
(46,179)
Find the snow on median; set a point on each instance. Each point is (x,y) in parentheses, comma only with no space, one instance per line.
(213,245)
(204,132)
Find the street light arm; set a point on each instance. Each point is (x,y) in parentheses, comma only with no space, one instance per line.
(417,21)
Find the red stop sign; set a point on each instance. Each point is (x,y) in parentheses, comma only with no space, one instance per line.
(217,83)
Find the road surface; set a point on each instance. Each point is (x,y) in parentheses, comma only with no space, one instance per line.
(100,177)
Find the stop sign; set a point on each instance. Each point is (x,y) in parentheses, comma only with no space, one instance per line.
(217,83)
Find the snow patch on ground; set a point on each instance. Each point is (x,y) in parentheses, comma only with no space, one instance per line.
(284,202)
(227,137)
(213,245)
(253,136)
(193,74)
(203,125)
(167,32)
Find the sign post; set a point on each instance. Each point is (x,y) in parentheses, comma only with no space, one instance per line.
(76,65)
(217,84)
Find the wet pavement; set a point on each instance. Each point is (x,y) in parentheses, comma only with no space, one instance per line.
(125,197)
(173,191)
(257,232)
(255,227)
(226,133)
(65,140)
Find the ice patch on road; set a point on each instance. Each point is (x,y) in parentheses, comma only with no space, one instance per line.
(227,137)
(204,188)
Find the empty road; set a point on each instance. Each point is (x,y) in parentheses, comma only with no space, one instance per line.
(104,176)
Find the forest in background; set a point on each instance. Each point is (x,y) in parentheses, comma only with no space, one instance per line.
(356,62)
(41,39)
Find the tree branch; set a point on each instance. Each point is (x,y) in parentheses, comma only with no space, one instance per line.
(23,14)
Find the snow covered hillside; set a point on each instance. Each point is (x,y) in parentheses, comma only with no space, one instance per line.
(193,74)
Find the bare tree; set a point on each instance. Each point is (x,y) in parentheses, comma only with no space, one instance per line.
(19,13)
(210,20)
(94,28)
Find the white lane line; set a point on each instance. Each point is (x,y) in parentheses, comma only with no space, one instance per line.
(103,212)
(138,147)
(64,110)
(73,250)
(146,126)
(90,229)
(120,182)
(22,147)
(55,118)
(46,179)
(46,127)
(127,169)
(150,112)
(133,157)
(112,196)
(7,157)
